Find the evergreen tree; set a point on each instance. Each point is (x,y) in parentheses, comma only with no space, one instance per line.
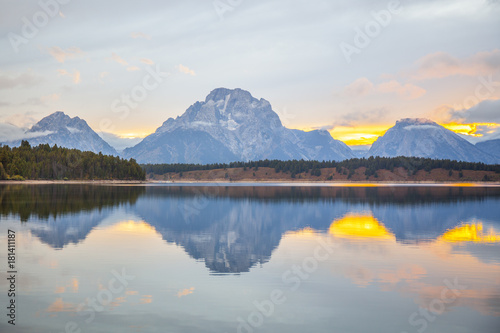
(3,174)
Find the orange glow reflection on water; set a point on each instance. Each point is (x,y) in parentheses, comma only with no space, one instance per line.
(359,225)
(471,232)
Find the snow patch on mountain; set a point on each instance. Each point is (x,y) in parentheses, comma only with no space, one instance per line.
(73,129)
(420,127)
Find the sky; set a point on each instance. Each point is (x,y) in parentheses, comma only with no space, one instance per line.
(353,67)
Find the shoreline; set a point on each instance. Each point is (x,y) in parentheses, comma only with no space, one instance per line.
(329,183)
(97,182)
(243,182)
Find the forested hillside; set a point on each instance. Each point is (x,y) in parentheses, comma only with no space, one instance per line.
(45,162)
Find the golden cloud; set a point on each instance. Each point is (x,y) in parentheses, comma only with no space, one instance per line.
(62,55)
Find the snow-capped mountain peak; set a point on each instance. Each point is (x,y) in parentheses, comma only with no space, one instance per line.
(59,128)
(425,138)
(233,125)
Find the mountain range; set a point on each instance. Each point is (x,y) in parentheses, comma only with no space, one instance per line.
(231,125)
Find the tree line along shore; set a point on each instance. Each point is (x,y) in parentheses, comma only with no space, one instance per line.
(57,163)
(357,169)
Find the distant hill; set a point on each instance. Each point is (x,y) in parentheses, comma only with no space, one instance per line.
(491,147)
(231,125)
(425,138)
(398,169)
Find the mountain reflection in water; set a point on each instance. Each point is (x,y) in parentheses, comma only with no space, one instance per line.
(233,228)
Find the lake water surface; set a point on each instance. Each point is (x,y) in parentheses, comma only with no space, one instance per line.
(246,258)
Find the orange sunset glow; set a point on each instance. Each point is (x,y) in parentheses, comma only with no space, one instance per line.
(469,129)
(359,135)
(368,134)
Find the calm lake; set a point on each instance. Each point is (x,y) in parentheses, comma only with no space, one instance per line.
(246,258)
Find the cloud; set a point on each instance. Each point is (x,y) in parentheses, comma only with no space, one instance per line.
(482,120)
(185,292)
(363,87)
(443,9)
(355,119)
(147,61)
(60,306)
(73,285)
(50,98)
(118,59)
(441,114)
(360,87)
(34,101)
(42,101)
(75,76)
(115,57)
(60,290)
(61,55)
(22,80)
(146,299)
(440,64)
(22,120)
(9,132)
(407,91)
(140,35)
(186,70)
(487,111)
